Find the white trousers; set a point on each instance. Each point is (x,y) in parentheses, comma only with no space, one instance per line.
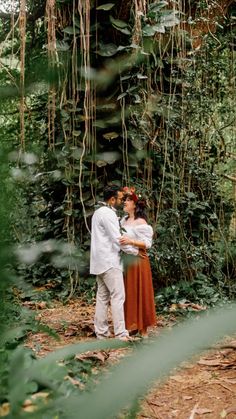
(110,288)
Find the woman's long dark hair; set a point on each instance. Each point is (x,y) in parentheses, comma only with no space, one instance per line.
(140,208)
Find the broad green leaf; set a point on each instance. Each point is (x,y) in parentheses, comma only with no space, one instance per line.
(190,194)
(118,23)
(76,133)
(159,28)
(122,48)
(107,50)
(109,157)
(71,30)
(170,20)
(101,163)
(100,123)
(64,114)
(148,30)
(107,6)
(111,135)
(155,7)
(126,31)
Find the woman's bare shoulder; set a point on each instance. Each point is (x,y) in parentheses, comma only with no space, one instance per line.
(140,221)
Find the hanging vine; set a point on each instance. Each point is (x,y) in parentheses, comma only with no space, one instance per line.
(51,33)
(88,106)
(22,32)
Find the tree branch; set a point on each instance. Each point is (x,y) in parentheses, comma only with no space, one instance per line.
(230,178)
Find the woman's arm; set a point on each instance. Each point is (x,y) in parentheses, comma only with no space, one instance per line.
(143,239)
(124,240)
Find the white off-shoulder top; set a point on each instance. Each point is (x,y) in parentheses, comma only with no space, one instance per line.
(139,232)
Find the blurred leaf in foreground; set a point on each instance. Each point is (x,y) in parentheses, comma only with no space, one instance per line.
(132,377)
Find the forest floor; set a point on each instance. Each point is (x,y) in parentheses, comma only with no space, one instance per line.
(205,388)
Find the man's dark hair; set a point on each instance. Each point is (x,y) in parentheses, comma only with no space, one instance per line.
(110,191)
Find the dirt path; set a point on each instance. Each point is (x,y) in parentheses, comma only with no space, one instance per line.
(205,388)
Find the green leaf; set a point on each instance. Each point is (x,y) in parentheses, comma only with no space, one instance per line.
(76,133)
(159,28)
(170,20)
(71,30)
(121,47)
(121,96)
(155,7)
(118,23)
(107,6)
(126,31)
(108,157)
(190,195)
(64,114)
(68,212)
(148,30)
(76,153)
(101,163)
(107,50)
(111,135)
(100,123)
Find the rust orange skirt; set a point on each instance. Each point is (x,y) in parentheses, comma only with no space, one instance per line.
(139,295)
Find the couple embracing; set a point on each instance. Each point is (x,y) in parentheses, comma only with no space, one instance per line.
(131,297)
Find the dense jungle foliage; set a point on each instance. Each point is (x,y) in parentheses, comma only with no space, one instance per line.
(131,92)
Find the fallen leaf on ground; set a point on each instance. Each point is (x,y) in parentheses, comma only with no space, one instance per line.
(203,411)
(230,380)
(230,345)
(101,356)
(75,382)
(211,362)
(155,403)
(71,331)
(178,378)
(183,306)
(35,305)
(230,410)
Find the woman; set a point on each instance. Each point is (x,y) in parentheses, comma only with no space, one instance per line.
(139,303)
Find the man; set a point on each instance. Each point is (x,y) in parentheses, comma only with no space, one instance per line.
(105,263)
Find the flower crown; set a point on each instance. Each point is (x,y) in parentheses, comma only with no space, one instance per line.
(131,192)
